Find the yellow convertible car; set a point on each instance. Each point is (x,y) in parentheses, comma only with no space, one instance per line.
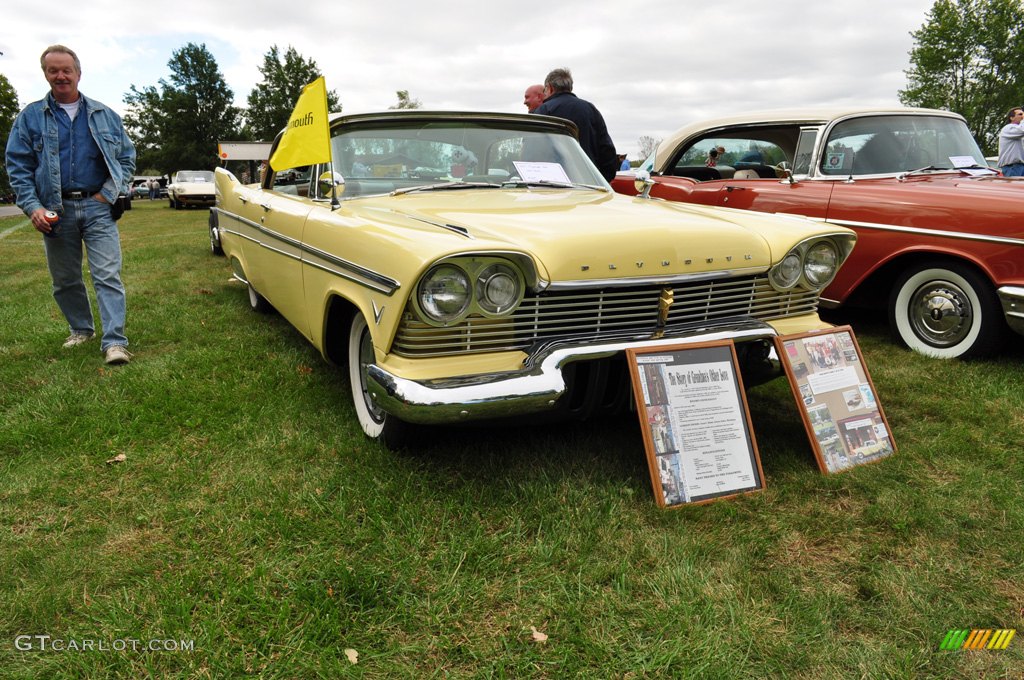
(470,266)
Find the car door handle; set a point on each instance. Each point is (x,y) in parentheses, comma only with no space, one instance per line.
(732,188)
(265,206)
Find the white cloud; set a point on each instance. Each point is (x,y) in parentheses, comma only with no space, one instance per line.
(649,67)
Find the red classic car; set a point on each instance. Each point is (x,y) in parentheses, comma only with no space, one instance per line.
(940,234)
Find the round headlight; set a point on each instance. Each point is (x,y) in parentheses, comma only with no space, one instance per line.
(821,263)
(787,273)
(497,289)
(444,293)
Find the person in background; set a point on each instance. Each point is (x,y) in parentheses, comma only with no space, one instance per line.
(70,155)
(593,133)
(533,97)
(623,163)
(712,160)
(1011,146)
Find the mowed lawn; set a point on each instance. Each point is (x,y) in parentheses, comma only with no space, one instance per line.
(254,532)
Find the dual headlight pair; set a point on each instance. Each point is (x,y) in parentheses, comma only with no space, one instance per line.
(813,263)
(451,290)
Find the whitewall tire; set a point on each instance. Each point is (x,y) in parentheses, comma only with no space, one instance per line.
(376,423)
(946,310)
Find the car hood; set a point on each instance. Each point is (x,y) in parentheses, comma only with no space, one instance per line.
(580,235)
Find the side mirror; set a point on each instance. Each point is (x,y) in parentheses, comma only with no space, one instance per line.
(643,183)
(331,185)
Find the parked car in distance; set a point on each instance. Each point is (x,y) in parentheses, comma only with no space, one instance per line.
(940,235)
(190,188)
(140,187)
(476,266)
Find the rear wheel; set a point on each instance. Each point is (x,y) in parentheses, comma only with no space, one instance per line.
(215,246)
(376,423)
(946,310)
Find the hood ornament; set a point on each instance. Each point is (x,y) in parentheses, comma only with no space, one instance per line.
(665,302)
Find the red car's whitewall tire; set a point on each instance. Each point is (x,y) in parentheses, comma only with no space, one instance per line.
(946,310)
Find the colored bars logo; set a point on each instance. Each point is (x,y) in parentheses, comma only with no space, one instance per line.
(978,638)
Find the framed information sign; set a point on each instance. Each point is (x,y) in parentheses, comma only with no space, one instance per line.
(836,398)
(695,422)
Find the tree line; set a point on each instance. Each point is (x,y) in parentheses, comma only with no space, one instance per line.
(968,57)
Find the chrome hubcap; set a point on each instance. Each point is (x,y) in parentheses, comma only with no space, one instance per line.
(941,314)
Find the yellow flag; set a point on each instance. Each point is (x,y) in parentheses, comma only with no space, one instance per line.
(307,139)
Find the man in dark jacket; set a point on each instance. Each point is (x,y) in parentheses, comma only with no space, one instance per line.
(560,101)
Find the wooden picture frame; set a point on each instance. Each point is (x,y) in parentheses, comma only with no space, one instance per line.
(695,421)
(836,398)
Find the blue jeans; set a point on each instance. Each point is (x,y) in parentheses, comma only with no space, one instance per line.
(88,222)
(1015,170)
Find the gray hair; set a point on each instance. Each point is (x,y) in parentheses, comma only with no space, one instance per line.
(63,50)
(559,80)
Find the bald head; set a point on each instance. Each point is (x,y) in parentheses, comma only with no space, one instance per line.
(533,97)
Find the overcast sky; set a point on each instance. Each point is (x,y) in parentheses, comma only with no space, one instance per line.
(649,66)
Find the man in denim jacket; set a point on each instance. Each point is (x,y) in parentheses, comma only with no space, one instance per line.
(70,155)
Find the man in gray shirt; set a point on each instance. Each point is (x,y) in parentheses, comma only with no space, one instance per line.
(1011,144)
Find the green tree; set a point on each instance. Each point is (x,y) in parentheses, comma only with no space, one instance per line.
(406,102)
(969,58)
(8,112)
(271,102)
(177,126)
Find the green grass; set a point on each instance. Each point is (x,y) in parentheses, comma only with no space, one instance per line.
(253,518)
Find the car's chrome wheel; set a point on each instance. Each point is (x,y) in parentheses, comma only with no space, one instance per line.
(946,310)
(375,422)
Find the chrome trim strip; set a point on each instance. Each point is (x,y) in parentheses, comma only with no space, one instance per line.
(654,280)
(532,389)
(346,270)
(225,230)
(294,256)
(1002,240)
(384,284)
(350,277)
(1012,298)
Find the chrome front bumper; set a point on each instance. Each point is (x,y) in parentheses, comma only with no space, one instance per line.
(1012,298)
(535,388)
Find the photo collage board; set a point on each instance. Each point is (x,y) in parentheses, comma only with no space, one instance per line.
(836,398)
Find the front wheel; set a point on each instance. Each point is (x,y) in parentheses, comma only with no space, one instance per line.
(376,423)
(946,310)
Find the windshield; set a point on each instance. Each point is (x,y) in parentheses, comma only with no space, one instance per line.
(194,176)
(893,144)
(376,158)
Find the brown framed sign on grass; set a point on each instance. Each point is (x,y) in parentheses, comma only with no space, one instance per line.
(836,398)
(695,421)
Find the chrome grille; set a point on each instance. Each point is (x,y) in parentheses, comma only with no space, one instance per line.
(589,313)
